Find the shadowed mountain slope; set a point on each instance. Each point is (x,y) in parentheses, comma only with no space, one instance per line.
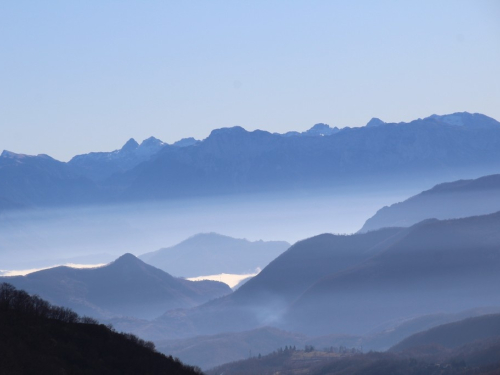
(455,334)
(438,266)
(210,351)
(214,350)
(445,201)
(211,254)
(126,286)
(382,338)
(263,298)
(357,284)
(307,261)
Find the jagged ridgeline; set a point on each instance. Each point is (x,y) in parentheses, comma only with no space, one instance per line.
(233,160)
(39,338)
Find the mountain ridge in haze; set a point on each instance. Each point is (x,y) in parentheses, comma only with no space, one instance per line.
(124,287)
(455,334)
(211,253)
(439,265)
(354,284)
(235,161)
(444,201)
(261,299)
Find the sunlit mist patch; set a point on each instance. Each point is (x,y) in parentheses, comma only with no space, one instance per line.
(230,279)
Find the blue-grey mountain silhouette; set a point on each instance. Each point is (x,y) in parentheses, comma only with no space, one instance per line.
(437,266)
(233,160)
(101,165)
(125,287)
(212,253)
(454,335)
(352,284)
(261,300)
(30,181)
(445,201)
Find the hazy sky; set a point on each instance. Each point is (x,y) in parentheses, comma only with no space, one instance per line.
(80,76)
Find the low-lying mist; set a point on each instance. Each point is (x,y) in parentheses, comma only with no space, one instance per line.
(98,234)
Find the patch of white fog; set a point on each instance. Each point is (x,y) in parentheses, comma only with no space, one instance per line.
(230,279)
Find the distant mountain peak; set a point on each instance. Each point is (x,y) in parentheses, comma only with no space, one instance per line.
(130,146)
(185,142)
(321,129)
(127,259)
(451,119)
(230,130)
(477,120)
(316,130)
(214,235)
(150,142)
(374,122)
(11,155)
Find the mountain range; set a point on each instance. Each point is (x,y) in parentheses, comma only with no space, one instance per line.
(125,287)
(448,266)
(233,160)
(332,284)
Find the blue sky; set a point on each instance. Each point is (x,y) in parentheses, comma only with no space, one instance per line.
(85,76)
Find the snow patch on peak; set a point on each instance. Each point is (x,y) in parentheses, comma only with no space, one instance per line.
(321,129)
(11,155)
(456,119)
(151,142)
(185,142)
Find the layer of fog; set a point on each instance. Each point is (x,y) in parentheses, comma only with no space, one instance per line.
(230,279)
(98,234)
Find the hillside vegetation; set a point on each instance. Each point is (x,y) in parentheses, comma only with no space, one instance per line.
(38,338)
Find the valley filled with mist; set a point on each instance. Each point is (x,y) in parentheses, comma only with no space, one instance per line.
(250,187)
(287,257)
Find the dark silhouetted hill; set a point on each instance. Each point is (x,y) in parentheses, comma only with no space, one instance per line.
(445,201)
(125,287)
(437,266)
(211,254)
(37,338)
